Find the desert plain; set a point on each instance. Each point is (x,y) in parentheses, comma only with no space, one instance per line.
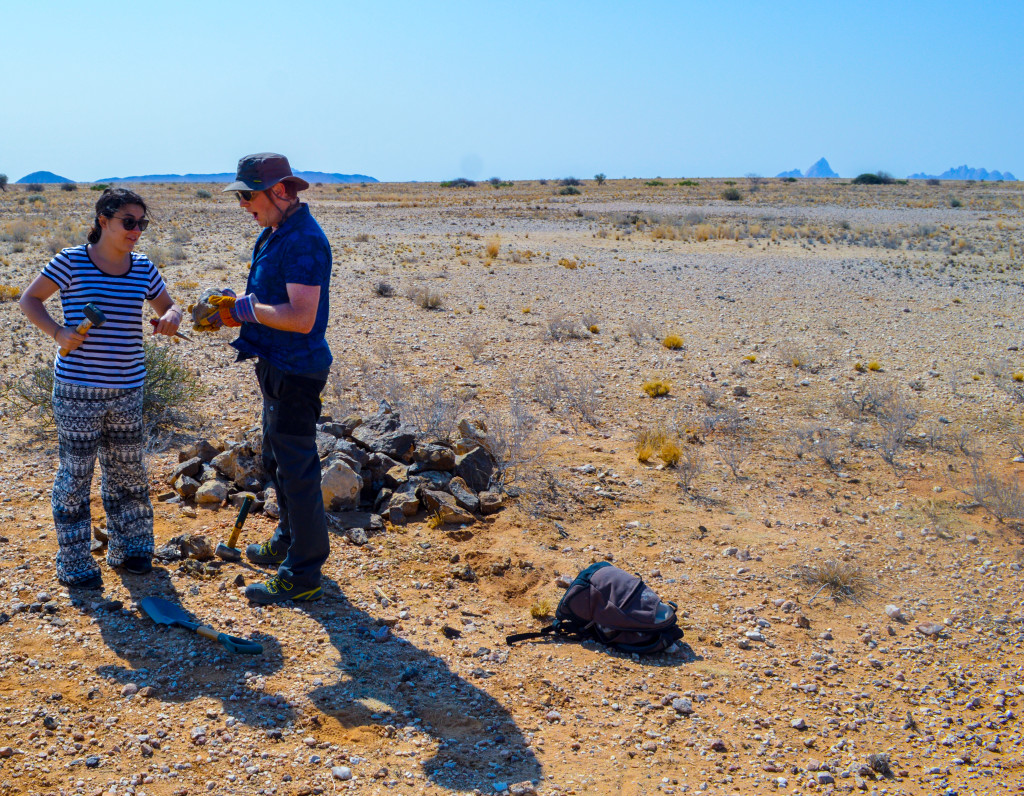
(826,486)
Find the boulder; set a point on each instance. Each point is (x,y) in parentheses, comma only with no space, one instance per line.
(406,500)
(212,492)
(270,505)
(189,545)
(463,495)
(383,432)
(444,505)
(340,485)
(396,476)
(186,486)
(434,479)
(189,467)
(325,443)
(475,468)
(201,449)
(357,526)
(436,457)
(491,502)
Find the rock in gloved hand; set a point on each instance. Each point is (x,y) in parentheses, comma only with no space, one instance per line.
(207,316)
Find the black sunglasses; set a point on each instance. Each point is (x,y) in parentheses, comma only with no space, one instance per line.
(130,223)
(246,196)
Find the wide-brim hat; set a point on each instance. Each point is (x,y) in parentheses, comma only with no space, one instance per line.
(262,171)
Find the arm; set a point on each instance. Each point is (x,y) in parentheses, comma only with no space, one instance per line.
(170,313)
(298,315)
(31,304)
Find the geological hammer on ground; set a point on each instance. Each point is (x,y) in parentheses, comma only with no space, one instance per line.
(93,317)
(228,552)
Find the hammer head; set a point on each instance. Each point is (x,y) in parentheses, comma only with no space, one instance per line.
(226,553)
(94,314)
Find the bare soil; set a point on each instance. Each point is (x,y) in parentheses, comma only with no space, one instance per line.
(795,305)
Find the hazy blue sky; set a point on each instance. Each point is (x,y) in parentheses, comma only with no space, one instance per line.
(433,90)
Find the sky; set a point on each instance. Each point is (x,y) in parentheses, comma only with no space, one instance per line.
(413,90)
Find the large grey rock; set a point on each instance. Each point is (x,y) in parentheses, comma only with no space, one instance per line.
(325,443)
(189,468)
(270,505)
(383,432)
(186,486)
(350,450)
(201,449)
(491,502)
(463,495)
(212,492)
(396,476)
(356,525)
(436,457)
(433,479)
(406,500)
(475,468)
(340,485)
(444,505)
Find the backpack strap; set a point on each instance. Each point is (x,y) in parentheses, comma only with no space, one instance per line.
(516,637)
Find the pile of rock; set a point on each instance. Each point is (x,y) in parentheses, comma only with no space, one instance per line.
(372,469)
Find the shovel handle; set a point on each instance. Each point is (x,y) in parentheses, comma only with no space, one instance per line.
(243,512)
(230,643)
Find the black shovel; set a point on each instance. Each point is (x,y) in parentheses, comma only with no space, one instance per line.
(164,612)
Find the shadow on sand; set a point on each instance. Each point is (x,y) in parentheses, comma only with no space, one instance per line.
(385,689)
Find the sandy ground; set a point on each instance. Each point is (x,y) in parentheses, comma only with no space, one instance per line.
(797,305)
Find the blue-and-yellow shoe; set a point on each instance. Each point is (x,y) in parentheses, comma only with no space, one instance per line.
(264,554)
(279,590)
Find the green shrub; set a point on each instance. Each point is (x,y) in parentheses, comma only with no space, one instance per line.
(732,194)
(954,202)
(569,190)
(169,386)
(99,186)
(688,183)
(881,178)
(459,182)
(789,179)
(69,187)
(600,178)
(654,183)
(32,187)
(571,181)
(203,194)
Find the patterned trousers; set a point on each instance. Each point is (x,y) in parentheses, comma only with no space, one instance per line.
(93,420)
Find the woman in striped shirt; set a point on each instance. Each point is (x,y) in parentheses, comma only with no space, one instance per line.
(98,384)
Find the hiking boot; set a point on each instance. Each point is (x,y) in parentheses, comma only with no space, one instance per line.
(279,590)
(92,582)
(264,554)
(138,565)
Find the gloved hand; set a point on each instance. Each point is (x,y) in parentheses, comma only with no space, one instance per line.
(235,311)
(206,315)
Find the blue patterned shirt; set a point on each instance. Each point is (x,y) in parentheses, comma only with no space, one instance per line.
(297,252)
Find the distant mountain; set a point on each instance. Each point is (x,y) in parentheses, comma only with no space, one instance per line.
(309,176)
(42,176)
(967,173)
(817,170)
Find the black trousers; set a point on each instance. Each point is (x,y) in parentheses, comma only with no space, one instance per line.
(291,407)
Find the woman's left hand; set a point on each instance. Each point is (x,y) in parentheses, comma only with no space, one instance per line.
(168,322)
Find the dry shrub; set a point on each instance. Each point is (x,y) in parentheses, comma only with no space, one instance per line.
(1003,499)
(493,247)
(670,452)
(542,609)
(426,298)
(649,440)
(9,293)
(842,580)
(657,388)
(673,342)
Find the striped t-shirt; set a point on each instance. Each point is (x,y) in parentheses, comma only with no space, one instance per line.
(112,354)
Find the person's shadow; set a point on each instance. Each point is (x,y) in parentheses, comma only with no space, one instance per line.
(176,663)
(390,684)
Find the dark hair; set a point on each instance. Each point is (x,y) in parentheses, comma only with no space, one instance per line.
(110,201)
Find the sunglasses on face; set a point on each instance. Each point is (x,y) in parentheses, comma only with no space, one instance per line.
(130,223)
(246,196)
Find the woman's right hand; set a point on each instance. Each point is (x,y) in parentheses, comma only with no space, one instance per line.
(68,338)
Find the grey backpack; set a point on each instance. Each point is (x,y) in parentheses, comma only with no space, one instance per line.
(614,607)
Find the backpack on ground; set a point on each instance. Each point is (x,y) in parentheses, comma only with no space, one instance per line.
(614,607)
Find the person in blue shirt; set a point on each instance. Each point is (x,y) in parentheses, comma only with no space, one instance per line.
(282,319)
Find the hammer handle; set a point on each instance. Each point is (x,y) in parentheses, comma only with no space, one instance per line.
(242,514)
(82,328)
